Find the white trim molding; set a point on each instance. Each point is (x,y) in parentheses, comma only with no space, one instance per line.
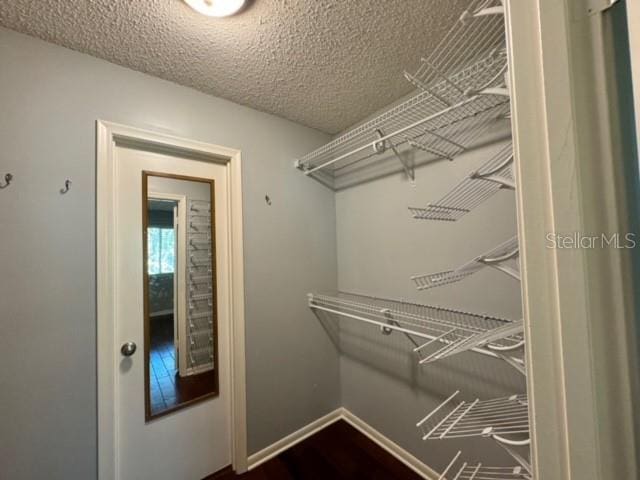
(393,448)
(294,438)
(338,414)
(577,303)
(108,136)
(633,25)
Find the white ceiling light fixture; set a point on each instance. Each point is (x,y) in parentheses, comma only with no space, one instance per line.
(216,8)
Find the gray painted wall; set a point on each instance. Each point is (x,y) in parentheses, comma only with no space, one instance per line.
(50,99)
(379,247)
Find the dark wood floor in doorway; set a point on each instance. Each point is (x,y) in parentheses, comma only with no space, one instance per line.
(338,452)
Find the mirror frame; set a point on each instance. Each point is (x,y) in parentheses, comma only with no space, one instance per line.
(148,416)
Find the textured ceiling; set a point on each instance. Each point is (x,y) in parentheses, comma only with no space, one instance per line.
(323,63)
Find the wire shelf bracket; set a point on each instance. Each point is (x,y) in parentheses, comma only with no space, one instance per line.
(381,147)
(493,176)
(494,258)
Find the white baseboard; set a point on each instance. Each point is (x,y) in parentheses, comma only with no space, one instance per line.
(390,446)
(374,435)
(290,440)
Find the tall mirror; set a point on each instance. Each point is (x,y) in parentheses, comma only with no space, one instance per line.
(180,311)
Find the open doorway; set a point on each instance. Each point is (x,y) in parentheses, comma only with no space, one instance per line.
(162,269)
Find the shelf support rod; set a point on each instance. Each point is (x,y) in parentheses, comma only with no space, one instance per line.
(514,363)
(504,182)
(506,270)
(517,457)
(492,176)
(381,146)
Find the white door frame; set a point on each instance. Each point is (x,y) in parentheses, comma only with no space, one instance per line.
(179,276)
(110,135)
(578,304)
(633,24)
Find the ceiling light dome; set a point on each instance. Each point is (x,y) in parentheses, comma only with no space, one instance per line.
(216,8)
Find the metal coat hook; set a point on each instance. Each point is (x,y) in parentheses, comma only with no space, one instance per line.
(267,199)
(67,186)
(7,180)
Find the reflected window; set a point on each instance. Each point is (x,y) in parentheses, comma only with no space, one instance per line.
(162,250)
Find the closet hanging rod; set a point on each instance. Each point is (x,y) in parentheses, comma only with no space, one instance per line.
(447,331)
(494,258)
(402,124)
(389,136)
(437,111)
(476,188)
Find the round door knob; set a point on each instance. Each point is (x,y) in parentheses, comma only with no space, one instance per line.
(128,349)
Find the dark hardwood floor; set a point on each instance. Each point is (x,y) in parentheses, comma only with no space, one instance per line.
(167,388)
(338,452)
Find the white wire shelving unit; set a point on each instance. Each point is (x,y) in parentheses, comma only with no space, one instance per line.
(501,419)
(461,90)
(477,187)
(480,30)
(435,332)
(460,470)
(505,420)
(497,258)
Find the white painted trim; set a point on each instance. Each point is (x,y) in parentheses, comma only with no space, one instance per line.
(294,438)
(633,24)
(390,446)
(356,422)
(577,303)
(108,134)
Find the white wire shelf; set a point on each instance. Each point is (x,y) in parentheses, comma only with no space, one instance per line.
(435,332)
(504,419)
(460,92)
(496,258)
(480,30)
(460,470)
(481,184)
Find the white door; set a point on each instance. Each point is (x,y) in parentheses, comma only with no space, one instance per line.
(192,442)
